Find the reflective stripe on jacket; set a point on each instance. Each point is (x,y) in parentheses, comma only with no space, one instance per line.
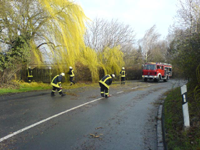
(56,81)
(122,73)
(106,81)
(71,73)
(30,72)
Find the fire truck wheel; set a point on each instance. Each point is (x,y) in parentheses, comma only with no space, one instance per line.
(157,80)
(165,80)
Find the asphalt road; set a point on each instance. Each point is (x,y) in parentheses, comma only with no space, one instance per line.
(82,120)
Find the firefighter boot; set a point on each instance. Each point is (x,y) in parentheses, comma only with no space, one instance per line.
(62,94)
(52,94)
(107,96)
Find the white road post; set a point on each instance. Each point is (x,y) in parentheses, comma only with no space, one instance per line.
(185,106)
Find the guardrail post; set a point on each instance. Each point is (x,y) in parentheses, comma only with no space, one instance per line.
(185,106)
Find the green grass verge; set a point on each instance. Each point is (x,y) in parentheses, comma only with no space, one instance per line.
(177,137)
(23,87)
(17,87)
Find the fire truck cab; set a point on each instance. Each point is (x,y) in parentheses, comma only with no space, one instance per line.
(156,71)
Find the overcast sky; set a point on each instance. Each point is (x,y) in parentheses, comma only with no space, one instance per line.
(139,14)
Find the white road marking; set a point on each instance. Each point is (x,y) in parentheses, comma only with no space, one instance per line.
(42,121)
(54,116)
(120,92)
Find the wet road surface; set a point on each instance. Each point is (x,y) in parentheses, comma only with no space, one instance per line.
(82,120)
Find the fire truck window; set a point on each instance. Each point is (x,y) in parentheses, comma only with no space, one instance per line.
(149,67)
(158,67)
(162,67)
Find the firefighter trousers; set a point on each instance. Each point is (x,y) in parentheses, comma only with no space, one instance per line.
(104,90)
(71,80)
(54,90)
(122,80)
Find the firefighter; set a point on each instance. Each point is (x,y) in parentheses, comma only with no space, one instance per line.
(123,75)
(104,84)
(71,75)
(30,74)
(56,83)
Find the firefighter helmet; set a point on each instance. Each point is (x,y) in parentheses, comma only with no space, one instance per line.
(113,75)
(62,74)
(123,68)
(70,67)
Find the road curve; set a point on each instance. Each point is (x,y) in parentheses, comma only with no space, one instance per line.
(82,120)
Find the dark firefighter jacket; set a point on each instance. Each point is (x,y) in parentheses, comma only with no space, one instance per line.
(30,72)
(71,73)
(56,81)
(122,73)
(106,80)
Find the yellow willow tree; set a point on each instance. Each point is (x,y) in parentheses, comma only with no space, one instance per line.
(89,58)
(17,32)
(65,28)
(31,28)
(111,60)
(68,26)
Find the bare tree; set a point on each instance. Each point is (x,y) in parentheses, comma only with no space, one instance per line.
(188,16)
(102,33)
(186,25)
(149,42)
(159,51)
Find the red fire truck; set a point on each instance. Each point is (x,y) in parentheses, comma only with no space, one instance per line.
(156,71)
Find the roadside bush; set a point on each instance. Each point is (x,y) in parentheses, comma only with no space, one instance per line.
(188,57)
(176,137)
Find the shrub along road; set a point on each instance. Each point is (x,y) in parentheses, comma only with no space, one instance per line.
(82,119)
